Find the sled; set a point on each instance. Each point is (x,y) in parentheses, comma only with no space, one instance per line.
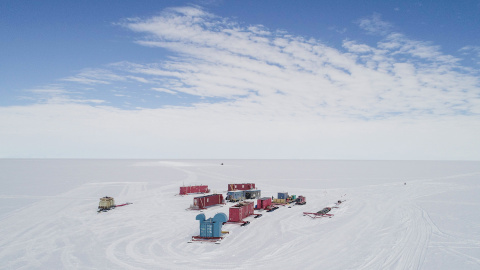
(241,223)
(215,240)
(272,209)
(316,215)
(319,214)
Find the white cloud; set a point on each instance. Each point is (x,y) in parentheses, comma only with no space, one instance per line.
(218,58)
(95,76)
(57,94)
(400,44)
(340,31)
(105,132)
(50,90)
(472,51)
(159,89)
(475,49)
(375,25)
(138,79)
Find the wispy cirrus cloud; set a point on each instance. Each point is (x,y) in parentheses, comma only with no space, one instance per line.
(472,51)
(94,76)
(214,57)
(375,25)
(220,58)
(57,94)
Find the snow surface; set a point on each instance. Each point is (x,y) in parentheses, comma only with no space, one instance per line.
(48,217)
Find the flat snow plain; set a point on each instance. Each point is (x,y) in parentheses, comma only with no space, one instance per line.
(48,217)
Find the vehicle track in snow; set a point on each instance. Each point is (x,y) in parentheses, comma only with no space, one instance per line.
(410,226)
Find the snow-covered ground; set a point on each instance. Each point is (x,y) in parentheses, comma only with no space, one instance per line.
(48,217)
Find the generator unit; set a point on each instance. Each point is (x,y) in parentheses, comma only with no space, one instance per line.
(106,203)
(211,227)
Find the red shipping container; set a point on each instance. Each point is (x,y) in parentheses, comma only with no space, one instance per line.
(244,186)
(193,189)
(264,203)
(208,200)
(240,211)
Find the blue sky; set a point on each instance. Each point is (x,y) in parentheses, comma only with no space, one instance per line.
(240,79)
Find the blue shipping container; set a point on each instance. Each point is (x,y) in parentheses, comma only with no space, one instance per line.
(283,195)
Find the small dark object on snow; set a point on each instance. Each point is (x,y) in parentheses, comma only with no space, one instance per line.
(324,211)
(272,209)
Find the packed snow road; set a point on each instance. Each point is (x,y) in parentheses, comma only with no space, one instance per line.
(395,215)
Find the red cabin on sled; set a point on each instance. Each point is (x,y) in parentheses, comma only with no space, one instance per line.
(263,203)
(194,189)
(244,186)
(240,211)
(206,201)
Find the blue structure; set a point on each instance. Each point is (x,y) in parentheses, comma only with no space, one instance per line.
(240,195)
(235,196)
(283,195)
(211,227)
